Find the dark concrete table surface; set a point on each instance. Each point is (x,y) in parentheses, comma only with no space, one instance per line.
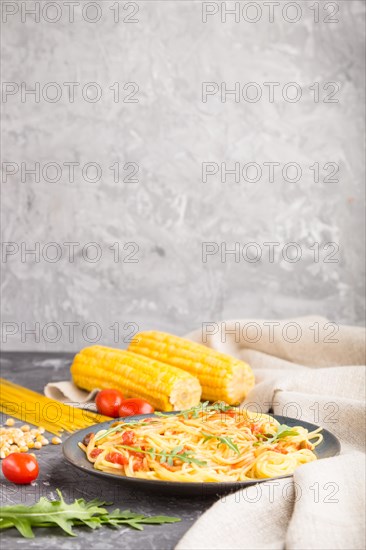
(34,370)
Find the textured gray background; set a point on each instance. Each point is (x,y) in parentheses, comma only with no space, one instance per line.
(169,133)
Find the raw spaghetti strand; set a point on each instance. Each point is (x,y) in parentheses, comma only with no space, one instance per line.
(203,446)
(37,409)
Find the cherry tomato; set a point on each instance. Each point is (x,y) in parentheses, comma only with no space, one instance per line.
(130,407)
(117,458)
(95,453)
(20,468)
(137,465)
(128,438)
(108,402)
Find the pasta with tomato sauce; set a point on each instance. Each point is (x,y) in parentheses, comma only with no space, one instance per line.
(216,443)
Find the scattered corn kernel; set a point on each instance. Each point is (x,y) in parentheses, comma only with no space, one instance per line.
(56,441)
(32,454)
(13,440)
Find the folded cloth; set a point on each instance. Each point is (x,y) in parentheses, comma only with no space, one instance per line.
(67,392)
(313,370)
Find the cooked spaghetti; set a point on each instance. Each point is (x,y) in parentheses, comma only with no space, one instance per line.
(211,444)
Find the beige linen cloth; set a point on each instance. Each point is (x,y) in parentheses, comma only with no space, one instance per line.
(313,370)
(310,369)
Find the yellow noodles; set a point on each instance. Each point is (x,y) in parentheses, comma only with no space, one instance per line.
(210,445)
(39,410)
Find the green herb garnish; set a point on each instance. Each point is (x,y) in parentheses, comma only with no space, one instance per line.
(166,456)
(120,427)
(57,513)
(283,431)
(223,440)
(206,408)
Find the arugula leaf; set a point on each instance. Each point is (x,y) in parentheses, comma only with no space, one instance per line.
(186,457)
(53,512)
(225,440)
(220,406)
(233,446)
(166,456)
(286,433)
(122,426)
(283,431)
(57,513)
(111,431)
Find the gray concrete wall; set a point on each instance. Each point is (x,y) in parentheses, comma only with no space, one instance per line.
(166,202)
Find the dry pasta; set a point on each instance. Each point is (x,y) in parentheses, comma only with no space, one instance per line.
(34,408)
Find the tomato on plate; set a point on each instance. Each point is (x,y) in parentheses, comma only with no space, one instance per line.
(95,453)
(117,458)
(108,402)
(128,438)
(130,407)
(20,468)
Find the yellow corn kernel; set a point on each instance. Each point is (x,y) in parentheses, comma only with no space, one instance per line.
(10,422)
(41,430)
(38,445)
(14,448)
(39,437)
(23,449)
(45,441)
(56,441)
(25,428)
(31,444)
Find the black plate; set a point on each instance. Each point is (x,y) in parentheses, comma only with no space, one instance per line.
(330,446)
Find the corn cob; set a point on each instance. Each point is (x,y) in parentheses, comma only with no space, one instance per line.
(223,378)
(165,387)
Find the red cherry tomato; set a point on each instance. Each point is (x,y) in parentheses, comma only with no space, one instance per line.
(117,458)
(128,438)
(20,468)
(95,453)
(108,402)
(130,407)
